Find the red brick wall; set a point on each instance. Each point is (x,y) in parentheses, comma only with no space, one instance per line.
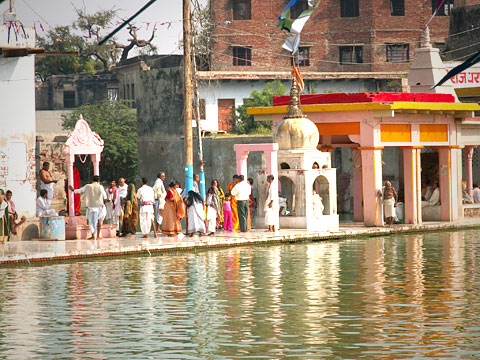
(324,32)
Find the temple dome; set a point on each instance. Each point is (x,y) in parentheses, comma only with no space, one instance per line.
(297,133)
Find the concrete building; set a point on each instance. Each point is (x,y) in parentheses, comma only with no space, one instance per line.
(17,120)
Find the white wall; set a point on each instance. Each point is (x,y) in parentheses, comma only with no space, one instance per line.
(212,91)
(17,124)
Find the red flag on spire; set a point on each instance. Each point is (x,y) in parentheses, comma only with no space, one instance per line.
(298,77)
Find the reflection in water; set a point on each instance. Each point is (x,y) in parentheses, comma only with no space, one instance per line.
(409,296)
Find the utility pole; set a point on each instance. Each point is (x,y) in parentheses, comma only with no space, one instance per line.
(187,96)
(199,126)
(11,6)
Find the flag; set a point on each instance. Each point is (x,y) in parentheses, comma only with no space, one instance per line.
(439,5)
(295,28)
(472,60)
(298,77)
(284,23)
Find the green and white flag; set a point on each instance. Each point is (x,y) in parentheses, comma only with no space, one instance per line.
(295,28)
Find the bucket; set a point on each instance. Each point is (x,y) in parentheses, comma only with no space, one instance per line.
(52,228)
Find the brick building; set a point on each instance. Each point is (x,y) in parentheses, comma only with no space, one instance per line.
(341,36)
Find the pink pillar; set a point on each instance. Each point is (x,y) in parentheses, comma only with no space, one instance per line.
(445,182)
(71,202)
(371,183)
(357,186)
(468,152)
(242,163)
(96,164)
(412,174)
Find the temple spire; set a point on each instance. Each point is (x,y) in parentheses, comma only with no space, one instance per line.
(294,106)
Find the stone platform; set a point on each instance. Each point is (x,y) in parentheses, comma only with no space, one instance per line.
(27,252)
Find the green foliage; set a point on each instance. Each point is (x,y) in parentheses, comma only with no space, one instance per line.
(60,39)
(116,124)
(245,124)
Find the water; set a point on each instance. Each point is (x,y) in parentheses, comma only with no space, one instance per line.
(410,296)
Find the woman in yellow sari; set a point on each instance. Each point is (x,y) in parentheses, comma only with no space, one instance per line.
(233,203)
(130,214)
(173,212)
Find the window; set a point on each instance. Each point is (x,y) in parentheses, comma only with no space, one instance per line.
(112,94)
(299,7)
(132,96)
(349,8)
(68,99)
(242,56)
(201,105)
(242,10)
(397,7)
(351,55)
(303,57)
(397,52)
(445,8)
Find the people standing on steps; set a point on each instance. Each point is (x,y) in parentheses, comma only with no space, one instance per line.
(95,198)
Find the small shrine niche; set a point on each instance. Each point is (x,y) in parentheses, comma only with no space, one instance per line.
(305,175)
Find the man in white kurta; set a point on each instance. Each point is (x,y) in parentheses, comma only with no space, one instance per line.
(43,205)
(160,194)
(146,199)
(95,197)
(435,197)
(271,205)
(114,207)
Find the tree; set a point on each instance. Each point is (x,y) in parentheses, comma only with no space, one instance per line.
(242,123)
(116,124)
(60,39)
(88,30)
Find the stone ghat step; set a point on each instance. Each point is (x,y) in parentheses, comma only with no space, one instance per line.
(29,252)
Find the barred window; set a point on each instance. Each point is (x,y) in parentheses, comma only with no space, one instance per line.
(351,55)
(398,52)
(445,8)
(397,7)
(242,9)
(242,56)
(303,57)
(349,8)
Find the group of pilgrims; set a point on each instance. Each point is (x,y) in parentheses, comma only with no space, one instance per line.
(161,207)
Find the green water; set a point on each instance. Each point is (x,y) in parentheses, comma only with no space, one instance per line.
(411,296)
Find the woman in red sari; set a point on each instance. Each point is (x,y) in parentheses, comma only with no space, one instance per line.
(173,212)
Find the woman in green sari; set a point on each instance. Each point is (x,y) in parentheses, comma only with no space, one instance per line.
(4,222)
(218,198)
(130,212)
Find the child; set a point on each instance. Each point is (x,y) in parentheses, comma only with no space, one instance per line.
(227,213)
(211,212)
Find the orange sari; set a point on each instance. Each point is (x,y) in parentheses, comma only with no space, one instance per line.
(233,204)
(173,212)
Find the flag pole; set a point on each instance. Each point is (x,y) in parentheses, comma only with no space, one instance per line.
(187,96)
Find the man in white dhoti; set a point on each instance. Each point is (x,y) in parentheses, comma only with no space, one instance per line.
(160,194)
(271,205)
(114,206)
(43,205)
(46,180)
(95,197)
(390,198)
(146,199)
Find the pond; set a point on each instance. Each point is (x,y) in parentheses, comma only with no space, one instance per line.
(408,296)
